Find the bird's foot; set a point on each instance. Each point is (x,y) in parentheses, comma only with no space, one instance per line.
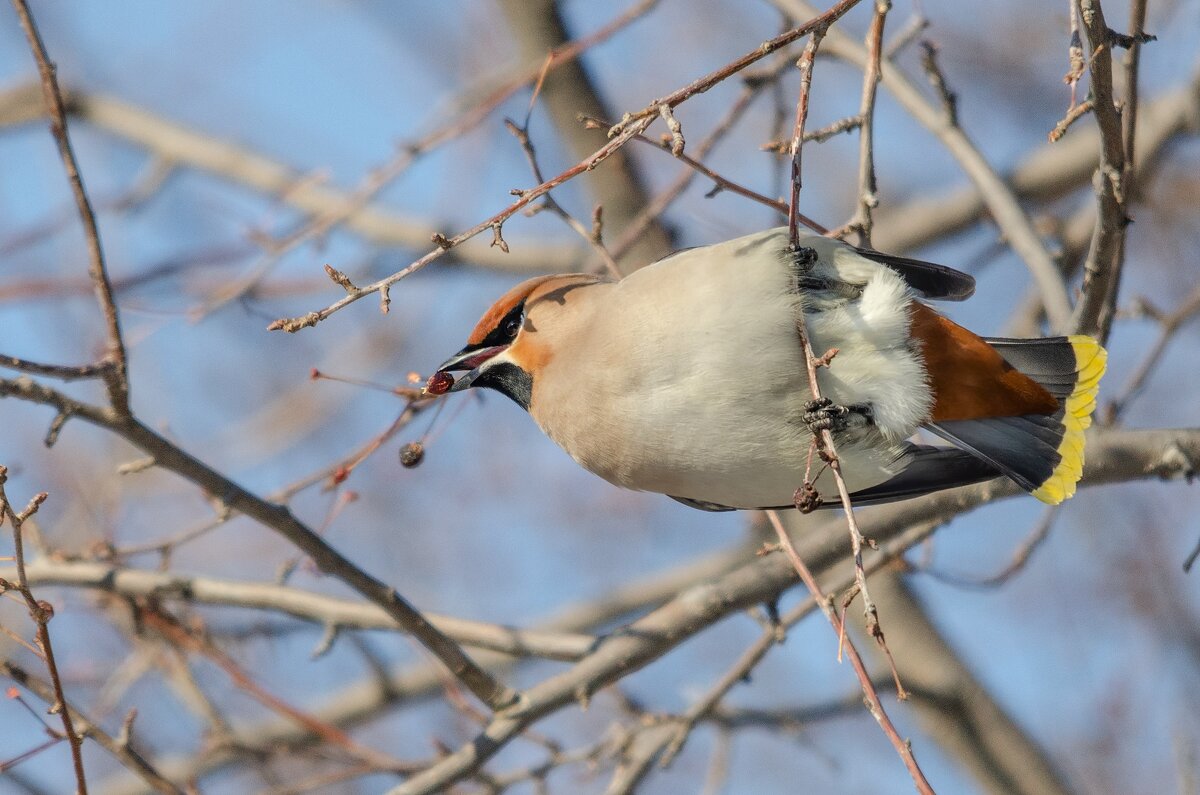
(823,414)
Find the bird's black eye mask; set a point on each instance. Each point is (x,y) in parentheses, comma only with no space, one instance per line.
(504,332)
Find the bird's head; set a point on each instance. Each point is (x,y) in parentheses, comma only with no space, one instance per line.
(513,340)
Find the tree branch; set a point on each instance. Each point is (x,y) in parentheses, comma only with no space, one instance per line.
(116,377)
(568,93)
(280,519)
(328,611)
(1106,257)
(1115,456)
(119,747)
(1014,223)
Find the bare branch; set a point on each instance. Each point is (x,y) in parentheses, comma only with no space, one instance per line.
(1115,455)
(327,611)
(999,199)
(116,377)
(956,708)
(40,612)
(874,705)
(867,199)
(118,746)
(1106,257)
(278,518)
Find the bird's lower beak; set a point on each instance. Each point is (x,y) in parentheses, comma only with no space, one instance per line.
(465,381)
(470,360)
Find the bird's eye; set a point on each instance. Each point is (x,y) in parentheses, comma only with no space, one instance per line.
(511,327)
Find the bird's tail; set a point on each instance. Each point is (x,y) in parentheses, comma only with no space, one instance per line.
(1042,453)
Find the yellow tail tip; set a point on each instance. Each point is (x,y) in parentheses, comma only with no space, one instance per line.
(1091,360)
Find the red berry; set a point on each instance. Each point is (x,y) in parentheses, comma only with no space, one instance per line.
(439,383)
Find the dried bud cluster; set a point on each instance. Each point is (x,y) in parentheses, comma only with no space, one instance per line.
(411,454)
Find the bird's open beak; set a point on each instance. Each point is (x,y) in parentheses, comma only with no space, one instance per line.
(470,360)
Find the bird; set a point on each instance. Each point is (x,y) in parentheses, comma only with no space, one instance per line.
(687,377)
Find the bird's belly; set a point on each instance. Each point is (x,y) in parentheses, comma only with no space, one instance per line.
(756,472)
(735,443)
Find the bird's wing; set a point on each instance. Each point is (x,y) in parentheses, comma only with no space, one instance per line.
(935,282)
(702,505)
(930,468)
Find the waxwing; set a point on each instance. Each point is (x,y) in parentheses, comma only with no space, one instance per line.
(687,377)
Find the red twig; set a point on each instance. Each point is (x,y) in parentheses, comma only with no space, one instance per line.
(825,439)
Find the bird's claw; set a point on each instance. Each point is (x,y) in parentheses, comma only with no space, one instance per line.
(822,414)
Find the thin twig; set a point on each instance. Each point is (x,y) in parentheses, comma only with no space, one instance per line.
(867,198)
(825,438)
(631,124)
(1020,558)
(41,613)
(1076,113)
(119,746)
(783,146)
(1012,219)
(62,372)
(872,697)
(917,24)
(1106,257)
(116,377)
(657,206)
(722,182)
(796,150)
(591,236)
(937,79)
(1169,325)
(280,519)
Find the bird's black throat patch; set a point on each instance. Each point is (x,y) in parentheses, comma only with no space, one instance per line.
(508,379)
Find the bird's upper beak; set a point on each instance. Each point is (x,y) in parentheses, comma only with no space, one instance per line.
(472,360)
